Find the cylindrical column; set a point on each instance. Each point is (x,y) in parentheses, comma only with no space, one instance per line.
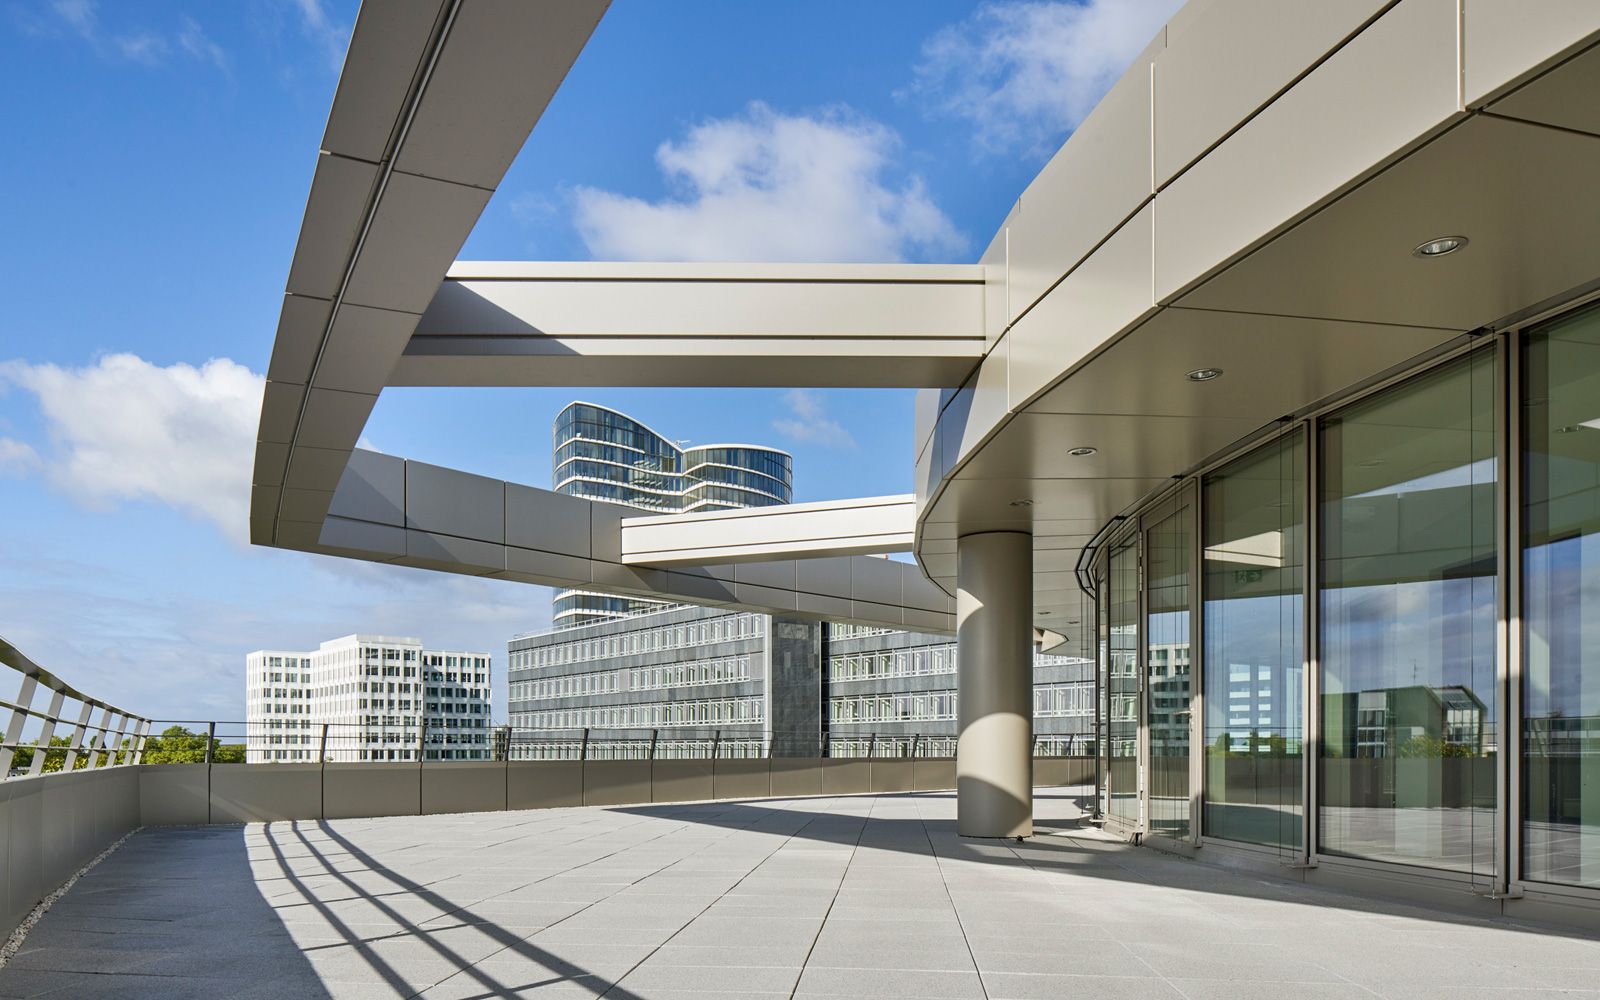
(994,684)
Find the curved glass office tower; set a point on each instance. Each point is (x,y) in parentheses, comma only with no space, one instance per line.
(601,454)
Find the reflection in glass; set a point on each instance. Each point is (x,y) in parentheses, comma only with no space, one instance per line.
(1167,545)
(1561,601)
(1254,539)
(1122,682)
(1408,622)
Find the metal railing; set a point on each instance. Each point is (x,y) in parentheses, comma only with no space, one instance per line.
(117,739)
(305,741)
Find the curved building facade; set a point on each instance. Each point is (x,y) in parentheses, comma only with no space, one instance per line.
(601,454)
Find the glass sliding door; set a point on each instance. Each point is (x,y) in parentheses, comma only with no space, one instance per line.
(1168,551)
(1122,682)
(1561,601)
(1408,622)
(1254,607)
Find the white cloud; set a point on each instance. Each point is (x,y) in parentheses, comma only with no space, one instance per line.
(1026,73)
(17,457)
(810,422)
(770,186)
(327,35)
(198,44)
(125,429)
(144,46)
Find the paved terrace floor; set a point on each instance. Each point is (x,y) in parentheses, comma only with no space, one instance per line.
(825,897)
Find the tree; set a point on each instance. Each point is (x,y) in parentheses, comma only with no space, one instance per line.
(177,745)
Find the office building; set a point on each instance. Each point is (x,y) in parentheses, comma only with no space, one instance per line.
(367,697)
(604,455)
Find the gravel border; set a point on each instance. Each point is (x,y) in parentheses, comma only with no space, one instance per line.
(14,942)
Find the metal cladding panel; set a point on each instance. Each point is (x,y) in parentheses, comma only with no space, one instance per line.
(680,780)
(271,460)
(386,55)
(552,522)
(783,573)
(766,597)
(515,50)
(301,325)
(876,580)
(372,488)
(340,191)
(701,589)
(1394,83)
(334,419)
(547,568)
(1563,97)
(265,794)
(315,468)
(416,232)
(1232,59)
(921,593)
(1505,40)
(363,538)
(280,410)
(455,555)
(1524,195)
(821,606)
(363,347)
(304,505)
(463,787)
(1057,223)
(455,503)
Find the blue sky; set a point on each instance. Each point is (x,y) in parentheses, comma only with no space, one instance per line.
(159,159)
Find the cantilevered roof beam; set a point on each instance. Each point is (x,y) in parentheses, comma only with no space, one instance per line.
(585,324)
(873,525)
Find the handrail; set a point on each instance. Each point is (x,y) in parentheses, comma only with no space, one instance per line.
(35,677)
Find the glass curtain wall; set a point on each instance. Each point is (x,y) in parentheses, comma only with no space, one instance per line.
(1408,622)
(1167,547)
(1122,681)
(1561,601)
(1254,643)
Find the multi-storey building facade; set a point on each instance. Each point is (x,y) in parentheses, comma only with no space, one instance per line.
(367,697)
(601,454)
(618,668)
(693,676)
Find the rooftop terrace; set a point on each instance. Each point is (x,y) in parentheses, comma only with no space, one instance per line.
(848,896)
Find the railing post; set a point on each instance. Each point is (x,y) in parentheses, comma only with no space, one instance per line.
(322,745)
(140,741)
(872,741)
(19,715)
(105,729)
(654,733)
(122,729)
(47,733)
(76,745)
(716,745)
(211,742)
(583,748)
(422,738)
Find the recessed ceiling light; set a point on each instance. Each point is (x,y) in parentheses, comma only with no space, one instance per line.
(1047,612)
(1072,621)
(1080,452)
(1022,503)
(1440,246)
(1204,374)
(1569,429)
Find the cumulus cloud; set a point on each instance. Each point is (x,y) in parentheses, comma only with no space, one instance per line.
(1026,73)
(17,457)
(769,186)
(809,421)
(125,429)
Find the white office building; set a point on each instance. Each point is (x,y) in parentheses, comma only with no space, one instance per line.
(366,698)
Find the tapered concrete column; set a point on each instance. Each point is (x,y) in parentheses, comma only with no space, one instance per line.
(994,684)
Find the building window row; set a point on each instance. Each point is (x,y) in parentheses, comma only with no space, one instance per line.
(727,711)
(725,628)
(689,673)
